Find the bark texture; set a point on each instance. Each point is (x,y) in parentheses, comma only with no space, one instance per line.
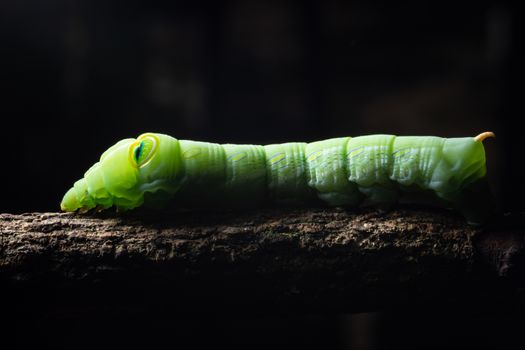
(328,259)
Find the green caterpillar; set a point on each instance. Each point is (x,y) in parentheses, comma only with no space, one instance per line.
(345,171)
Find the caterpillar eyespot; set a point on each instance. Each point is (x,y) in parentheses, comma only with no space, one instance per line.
(142,150)
(344,171)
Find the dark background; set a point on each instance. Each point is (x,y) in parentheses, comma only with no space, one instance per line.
(77,76)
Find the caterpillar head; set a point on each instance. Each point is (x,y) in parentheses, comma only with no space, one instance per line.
(127,174)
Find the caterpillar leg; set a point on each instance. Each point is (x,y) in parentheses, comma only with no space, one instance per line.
(382,195)
(337,199)
(477,203)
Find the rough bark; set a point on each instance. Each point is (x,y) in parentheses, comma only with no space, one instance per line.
(328,259)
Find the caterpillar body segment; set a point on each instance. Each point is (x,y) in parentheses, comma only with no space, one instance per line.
(328,172)
(344,171)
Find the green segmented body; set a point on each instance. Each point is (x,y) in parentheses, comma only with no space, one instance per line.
(339,171)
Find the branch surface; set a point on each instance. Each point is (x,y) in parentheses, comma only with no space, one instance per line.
(329,259)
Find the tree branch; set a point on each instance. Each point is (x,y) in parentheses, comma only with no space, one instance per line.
(328,259)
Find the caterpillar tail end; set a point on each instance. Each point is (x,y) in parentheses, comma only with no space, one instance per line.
(484,135)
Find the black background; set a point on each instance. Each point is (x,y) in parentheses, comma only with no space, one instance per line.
(77,76)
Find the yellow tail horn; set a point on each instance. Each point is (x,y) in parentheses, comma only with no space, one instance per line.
(484,135)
